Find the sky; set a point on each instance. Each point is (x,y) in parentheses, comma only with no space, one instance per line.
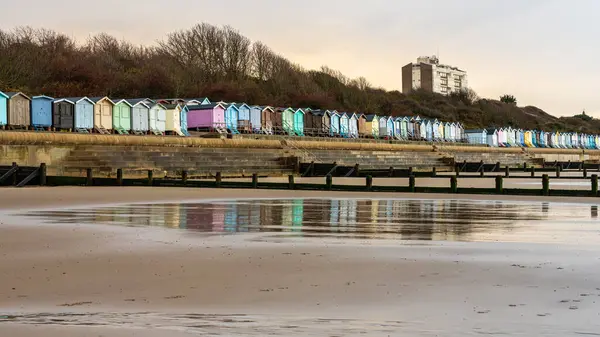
(540,51)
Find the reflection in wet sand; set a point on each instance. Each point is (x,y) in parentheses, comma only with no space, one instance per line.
(453,220)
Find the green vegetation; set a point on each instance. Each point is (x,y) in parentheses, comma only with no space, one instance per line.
(222,64)
(508,99)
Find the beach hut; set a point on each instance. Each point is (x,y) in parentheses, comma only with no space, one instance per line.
(501,138)
(206,117)
(448,131)
(550,139)
(255,118)
(140,115)
(41,111)
(335,124)
(243,120)
(597,141)
(173,119)
(325,117)
(575,140)
(73,113)
(430,129)
(391,127)
(397,127)
(413,129)
(158,118)
(267,114)
(18,110)
(424,129)
(311,122)
(527,139)
(277,120)
(372,126)
(3,109)
(231,118)
(492,137)
(435,128)
(362,126)
(344,125)
(287,120)
(103,114)
(383,132)
(299,116)
(477,136)
(542,139)
(442,131)
(121,116)
(353,126)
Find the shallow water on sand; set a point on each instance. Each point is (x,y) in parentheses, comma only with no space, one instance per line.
(396,219)
(522,268)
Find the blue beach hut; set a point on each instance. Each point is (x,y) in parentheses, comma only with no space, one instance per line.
(243,119)
(255,118)
(231,118)
(41,111)
(3,109)
(391,127)
(299,122)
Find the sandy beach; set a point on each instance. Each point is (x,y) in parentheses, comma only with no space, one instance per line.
(85,280)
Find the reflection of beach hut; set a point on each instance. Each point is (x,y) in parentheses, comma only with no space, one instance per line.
(41,111)
(3,109)
(353,126)
(372,126)
(18,109)
(477,136)
(299,116)
(492,137)
(121,116)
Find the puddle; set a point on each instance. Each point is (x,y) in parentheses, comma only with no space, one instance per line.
(396,219)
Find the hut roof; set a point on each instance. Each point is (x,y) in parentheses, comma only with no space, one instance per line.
(136,101)
(370,118)
(98,99)
(13,94)
(43,97)
(75,100)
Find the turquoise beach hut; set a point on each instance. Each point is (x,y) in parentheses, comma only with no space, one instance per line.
(344,125)
(334,124)
(299,122)
(3,109)
(231,118)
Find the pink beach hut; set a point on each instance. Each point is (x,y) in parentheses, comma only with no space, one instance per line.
(206,117)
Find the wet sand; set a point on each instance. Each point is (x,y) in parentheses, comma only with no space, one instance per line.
(164,282)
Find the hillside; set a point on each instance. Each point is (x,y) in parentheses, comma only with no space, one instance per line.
(222,64)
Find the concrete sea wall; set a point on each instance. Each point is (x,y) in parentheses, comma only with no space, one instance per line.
(72,154)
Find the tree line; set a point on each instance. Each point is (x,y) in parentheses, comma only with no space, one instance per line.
(222,64)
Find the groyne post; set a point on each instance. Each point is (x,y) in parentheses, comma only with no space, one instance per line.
(14,176)
(412,183)
(120,177)
(525,167)
(184,177)
(595,184)
(585,172)
(369,182)
(558,172)
(150,177)
(532,171)
(499,184)
(545,185)
(43,174)
(328,182)
(218,179)
(453,185)
(507,172)
(497,168)
(433,172)
(254,180)
(357,170)
(89,181)
(291,182)
(391,172)
(410,171)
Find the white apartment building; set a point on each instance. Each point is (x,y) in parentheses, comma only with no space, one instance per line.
(430,75)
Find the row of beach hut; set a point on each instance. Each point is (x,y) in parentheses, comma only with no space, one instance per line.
(178,116)
(509,137)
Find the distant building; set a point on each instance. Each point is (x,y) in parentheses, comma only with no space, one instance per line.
(428,74)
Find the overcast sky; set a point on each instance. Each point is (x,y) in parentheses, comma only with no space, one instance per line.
(542,51)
